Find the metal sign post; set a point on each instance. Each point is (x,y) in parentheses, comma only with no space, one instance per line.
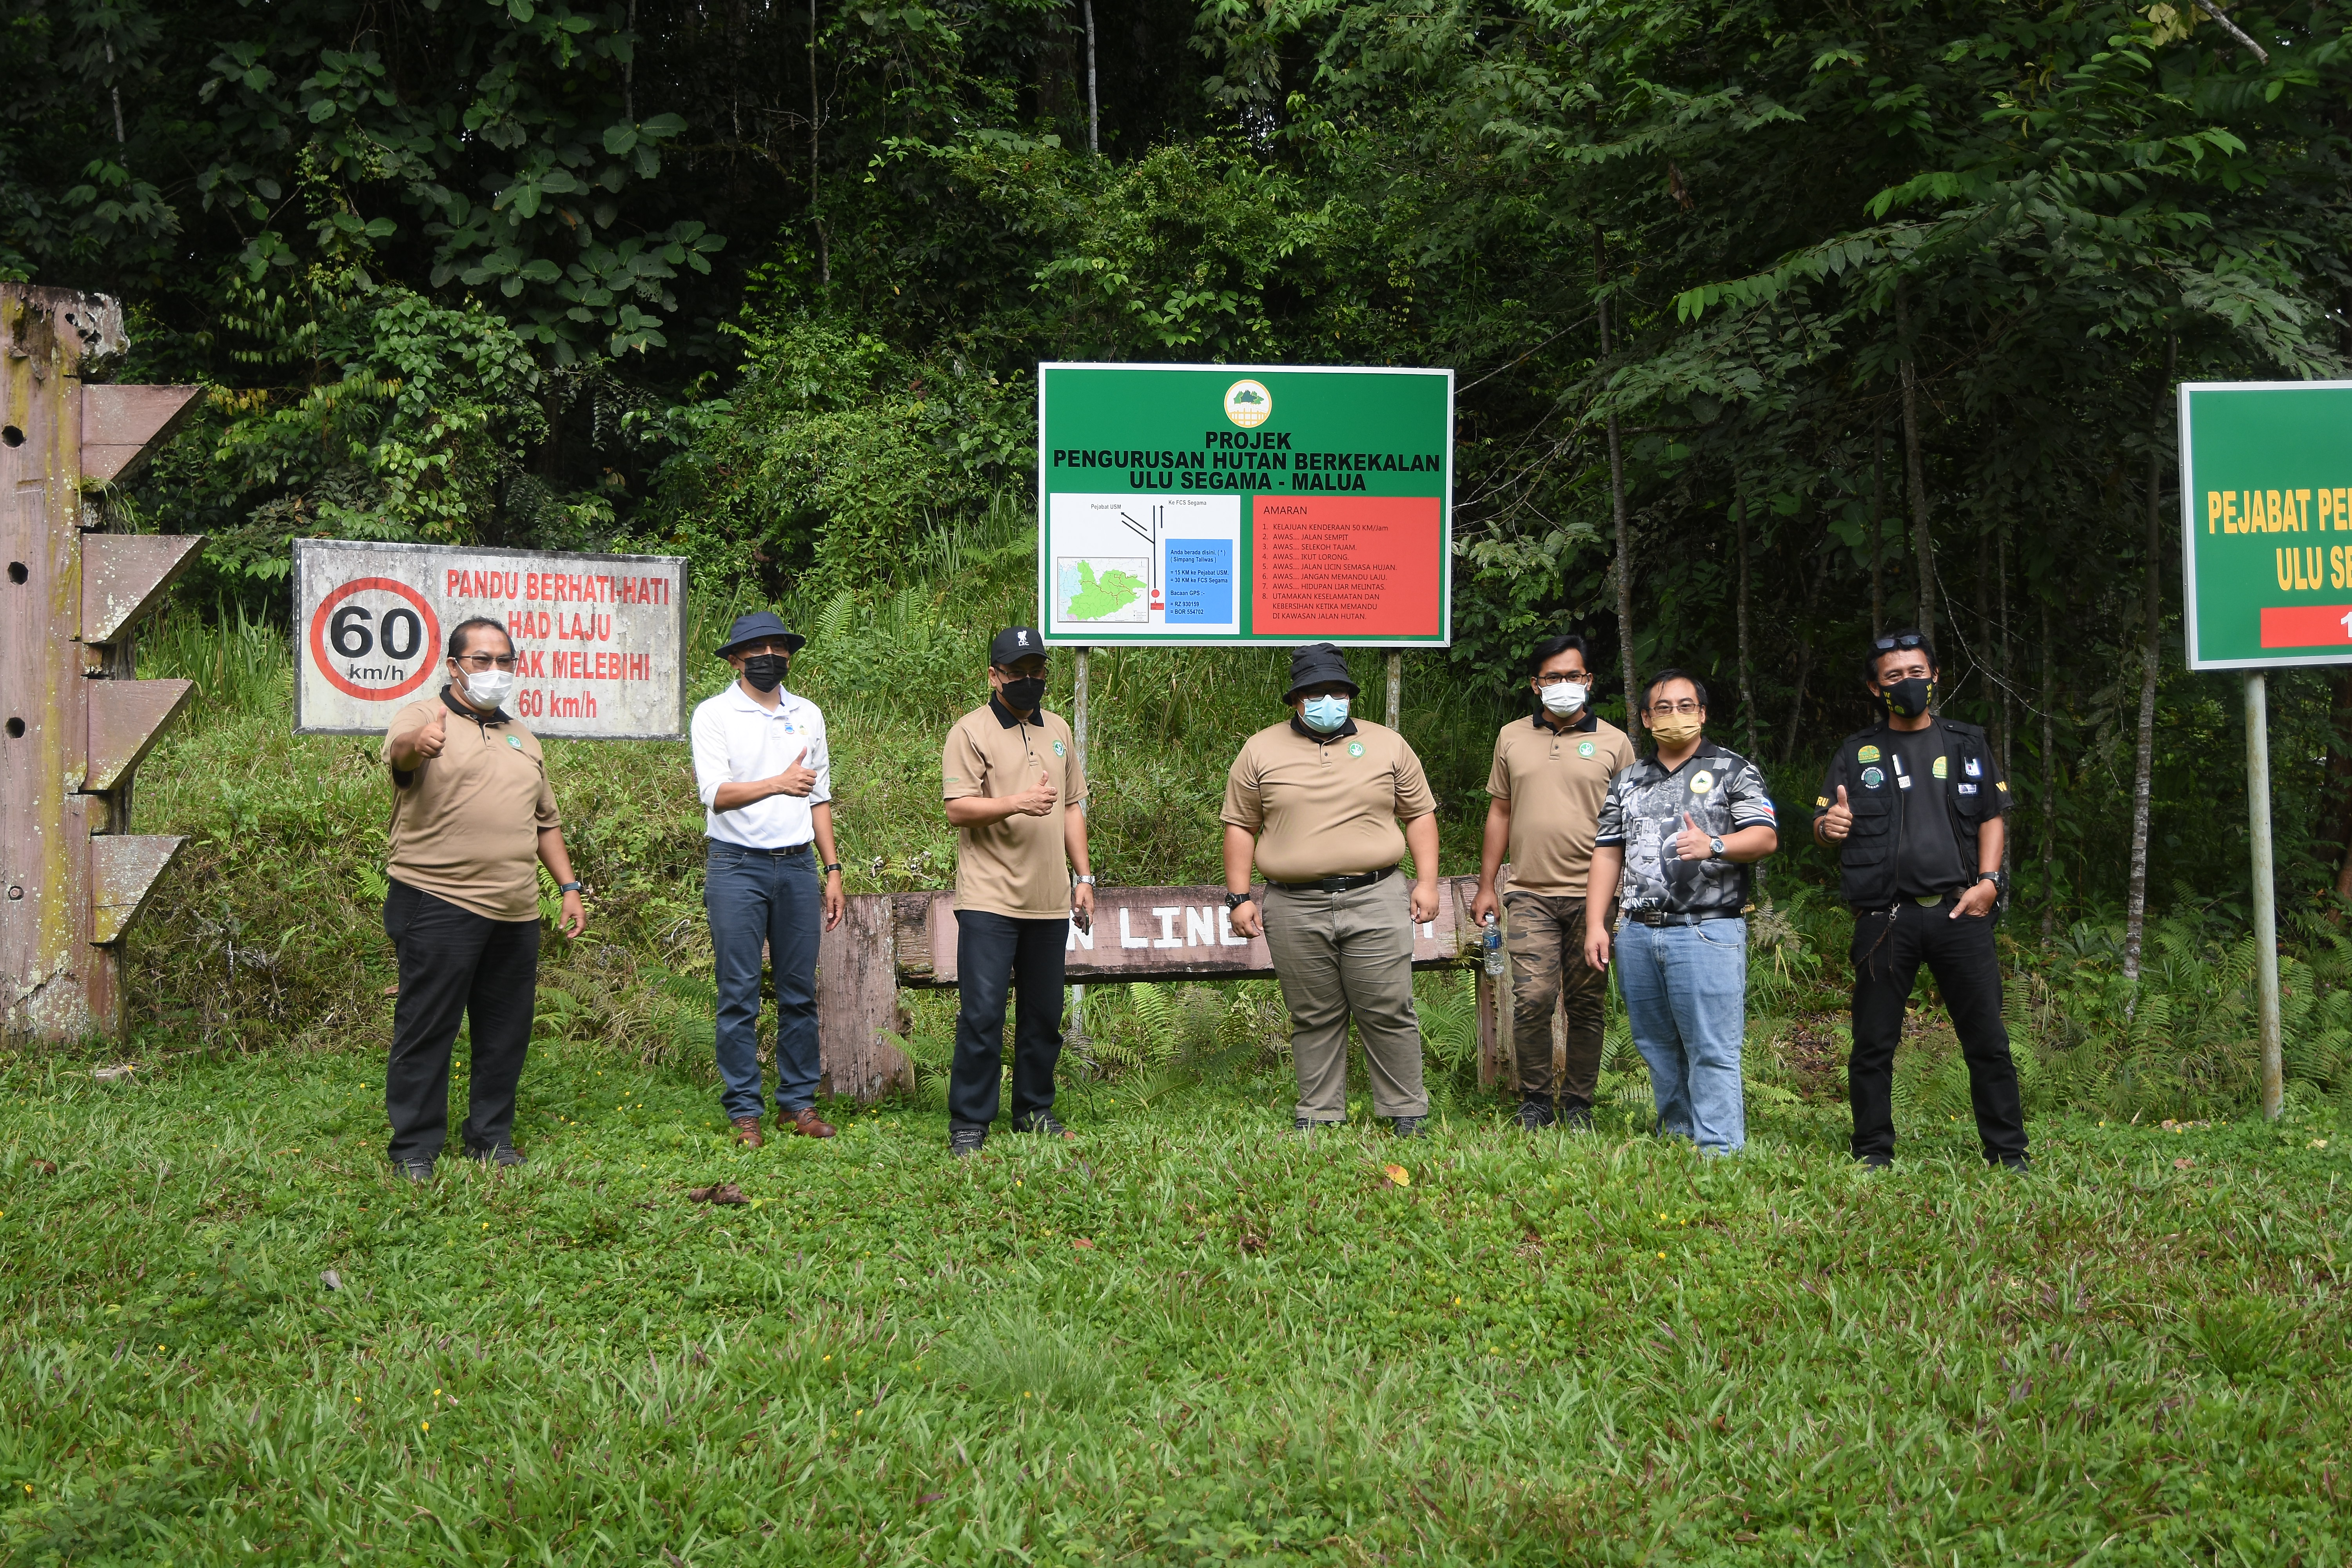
(2265,487)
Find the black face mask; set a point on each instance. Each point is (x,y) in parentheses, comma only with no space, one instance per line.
(765,671)
(1908,699)
(1022,696)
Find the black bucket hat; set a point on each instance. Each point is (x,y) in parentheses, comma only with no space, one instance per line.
(758,626)
(1314,665)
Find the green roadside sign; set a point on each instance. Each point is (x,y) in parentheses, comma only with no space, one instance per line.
(2266,514)
(1244,504)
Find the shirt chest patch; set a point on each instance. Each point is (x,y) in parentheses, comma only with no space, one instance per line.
(1584,748)
(1871,778)
(514,741)
(1941,767)
(1965,789)
(1355,748)
(1970,767)
(1868,753)
(1702,782)
(1059,749)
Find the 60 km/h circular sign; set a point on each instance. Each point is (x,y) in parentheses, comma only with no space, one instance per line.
(374,638)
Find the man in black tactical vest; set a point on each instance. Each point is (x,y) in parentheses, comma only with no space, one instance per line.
(1915,807)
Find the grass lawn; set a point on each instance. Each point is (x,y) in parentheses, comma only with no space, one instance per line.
(1191,1337)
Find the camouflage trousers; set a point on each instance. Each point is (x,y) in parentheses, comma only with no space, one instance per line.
(1547,948)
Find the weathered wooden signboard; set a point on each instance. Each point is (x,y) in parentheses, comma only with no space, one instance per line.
(600,640)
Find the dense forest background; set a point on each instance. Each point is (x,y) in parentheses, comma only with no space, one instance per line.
(1774,323)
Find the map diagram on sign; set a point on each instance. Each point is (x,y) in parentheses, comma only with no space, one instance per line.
(1146,560)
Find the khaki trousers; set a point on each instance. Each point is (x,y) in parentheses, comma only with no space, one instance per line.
(1342,955)
(1548,964)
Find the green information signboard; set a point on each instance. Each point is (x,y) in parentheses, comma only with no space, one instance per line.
(2266,510)
(1238,504)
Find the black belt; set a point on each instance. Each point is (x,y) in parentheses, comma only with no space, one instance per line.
(750,850)
(1334,884)
(1660,917)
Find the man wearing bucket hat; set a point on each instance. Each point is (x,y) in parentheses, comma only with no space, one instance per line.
(1016,794)
(772,879)
(1316,802)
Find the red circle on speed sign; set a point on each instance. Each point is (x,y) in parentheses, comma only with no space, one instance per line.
(356,637)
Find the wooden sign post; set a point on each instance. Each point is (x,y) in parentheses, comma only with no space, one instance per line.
(74,723)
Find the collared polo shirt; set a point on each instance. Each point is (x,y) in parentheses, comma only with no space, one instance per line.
(466,823)
(739,740)
(1326,805)
(1017,866)
(1556,781)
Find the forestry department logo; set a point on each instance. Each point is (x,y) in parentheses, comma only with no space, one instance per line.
(1248,404)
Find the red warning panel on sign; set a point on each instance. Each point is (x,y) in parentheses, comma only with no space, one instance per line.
(2306,625)
(1345,567)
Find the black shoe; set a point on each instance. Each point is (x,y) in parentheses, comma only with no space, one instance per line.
(963,1142)
(1410,1126)
(1875,1162)
(1535,1114)
(503,1154)
(1576,1115)
(2018,1163)
(1309,1124)
(417,1170)
(1042,1121)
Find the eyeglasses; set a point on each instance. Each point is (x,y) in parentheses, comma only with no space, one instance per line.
(1684,709)
(1908,640)
(480,662)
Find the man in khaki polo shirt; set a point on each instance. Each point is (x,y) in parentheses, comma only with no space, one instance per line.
(1316,801)
(1552,773)
(472,818)
(1017,795)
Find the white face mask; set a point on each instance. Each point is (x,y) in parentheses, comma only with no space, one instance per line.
(485,689)
(1564,696)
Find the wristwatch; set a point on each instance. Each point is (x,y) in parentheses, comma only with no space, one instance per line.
(568,886)
(1715,848)
(1236,900)
(1999,882)
(831,866)
(1084,882)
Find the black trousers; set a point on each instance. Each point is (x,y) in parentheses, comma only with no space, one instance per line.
(996,956)
(454,965)
(1888,948)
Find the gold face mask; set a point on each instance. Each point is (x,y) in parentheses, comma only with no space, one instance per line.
(1675,730)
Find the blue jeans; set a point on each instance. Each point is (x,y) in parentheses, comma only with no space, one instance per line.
(1686,991)
(754,896)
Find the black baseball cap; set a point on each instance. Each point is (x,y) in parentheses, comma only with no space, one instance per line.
(1013,645)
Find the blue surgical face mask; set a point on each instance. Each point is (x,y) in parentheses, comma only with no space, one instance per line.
(1324,715)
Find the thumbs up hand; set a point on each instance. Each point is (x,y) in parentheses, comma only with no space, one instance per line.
(1836,822)
(1694,842)
(1039,801)
(798,778)
(434,736)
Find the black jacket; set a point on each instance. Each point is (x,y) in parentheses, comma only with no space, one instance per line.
(1971,789)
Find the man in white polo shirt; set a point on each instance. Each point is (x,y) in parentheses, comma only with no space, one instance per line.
(766,781)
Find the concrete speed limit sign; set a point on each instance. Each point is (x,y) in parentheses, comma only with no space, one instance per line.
(599,639)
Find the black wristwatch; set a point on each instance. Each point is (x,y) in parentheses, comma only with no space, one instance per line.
(2000,881)
(569,887)
(832,866)
(1236,900)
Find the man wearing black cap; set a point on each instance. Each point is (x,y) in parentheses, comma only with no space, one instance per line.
(1017,795)
(766,781)
(1316,801)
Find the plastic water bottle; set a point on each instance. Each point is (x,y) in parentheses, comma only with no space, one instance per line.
(1492,941)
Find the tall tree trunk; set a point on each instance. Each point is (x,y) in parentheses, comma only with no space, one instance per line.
(2049,779)
(1617,505)
(1878,529)
(1094,108)
(2151,653)
(1746,682)
(1804,654)
(816,116)
(1922,542)
(2005,746)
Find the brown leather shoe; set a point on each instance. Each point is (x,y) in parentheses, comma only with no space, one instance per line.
(747,1132)
(809,1124)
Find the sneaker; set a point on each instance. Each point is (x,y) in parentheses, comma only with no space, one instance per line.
(2017,1163)
(1309,1124)
(1535,1114)
(1410,1126)
(1576,1115)
(963,1142)
(502,1154)
(417,1170)
(1875,1162)
(1042,1124)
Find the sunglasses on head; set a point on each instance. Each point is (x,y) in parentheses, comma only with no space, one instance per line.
(1908,640)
